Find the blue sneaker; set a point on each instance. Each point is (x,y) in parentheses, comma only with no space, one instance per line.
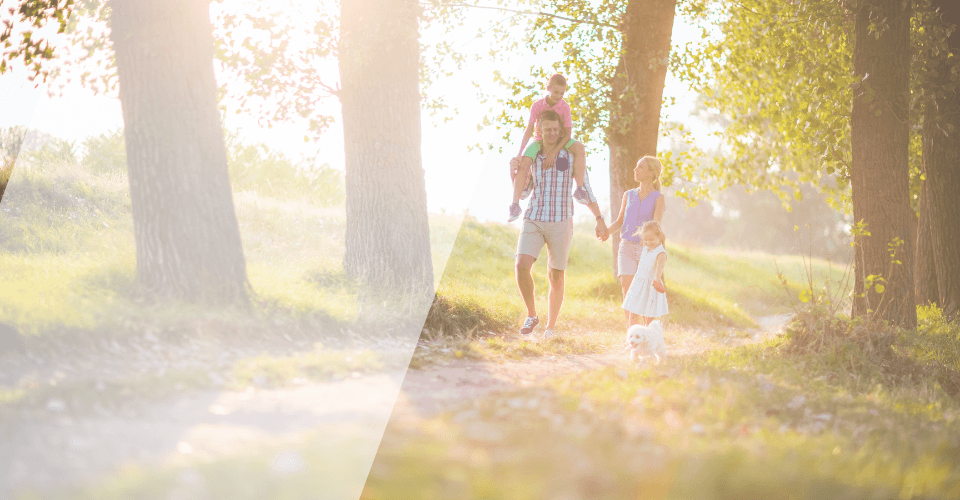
(529,325)
(514,212)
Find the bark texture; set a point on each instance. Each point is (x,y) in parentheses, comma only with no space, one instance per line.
(925,268)
(387,232)
(879,173)
(6,170)
(637,94)
(941,156)
(186,230)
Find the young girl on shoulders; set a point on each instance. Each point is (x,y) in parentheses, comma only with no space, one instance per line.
(645,301)
(640,205)
(553,101)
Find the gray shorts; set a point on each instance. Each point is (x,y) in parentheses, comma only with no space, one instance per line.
(556,235)
(628,258)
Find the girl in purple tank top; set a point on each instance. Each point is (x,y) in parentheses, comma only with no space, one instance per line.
(638,206)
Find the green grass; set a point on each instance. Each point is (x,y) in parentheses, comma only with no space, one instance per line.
(67,260)
(318,364)
(730,421)
(708,289)
(750,422)
(264,371)
(67,254)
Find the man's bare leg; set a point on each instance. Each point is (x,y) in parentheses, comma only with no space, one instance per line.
(525,282)
(555,298)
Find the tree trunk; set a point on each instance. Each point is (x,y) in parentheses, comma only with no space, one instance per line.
(186,230)
(11,141)
(6,170)
(879,174)
(387,231)
(941,155)
(925,274)
(637,94)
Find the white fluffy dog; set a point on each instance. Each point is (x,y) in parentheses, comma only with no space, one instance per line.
(647,341)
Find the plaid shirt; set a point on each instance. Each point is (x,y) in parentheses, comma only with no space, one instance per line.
(552,199)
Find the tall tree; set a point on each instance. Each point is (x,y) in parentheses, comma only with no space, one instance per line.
(801,54)
(186,230)
(387,234)
(941,156)
(636,93)
(880,175)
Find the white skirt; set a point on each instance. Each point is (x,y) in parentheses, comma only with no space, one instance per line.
(644,300)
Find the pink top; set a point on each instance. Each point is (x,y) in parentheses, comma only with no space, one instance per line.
(562,109)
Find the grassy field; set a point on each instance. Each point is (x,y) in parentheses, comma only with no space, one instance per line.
(67,261)
(752,422)
(755,421)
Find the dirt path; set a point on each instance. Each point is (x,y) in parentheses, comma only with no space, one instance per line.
(439,388)
(57,449)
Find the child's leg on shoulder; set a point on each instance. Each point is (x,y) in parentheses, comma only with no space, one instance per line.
(520,181)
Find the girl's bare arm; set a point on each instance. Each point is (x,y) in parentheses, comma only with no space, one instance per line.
(658,267)
(617,224)
(658,209)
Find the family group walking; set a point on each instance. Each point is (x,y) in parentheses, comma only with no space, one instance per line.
(547,171)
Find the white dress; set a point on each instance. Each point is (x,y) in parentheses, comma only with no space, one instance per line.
(642,299)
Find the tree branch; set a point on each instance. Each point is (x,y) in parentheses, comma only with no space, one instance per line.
(525,12)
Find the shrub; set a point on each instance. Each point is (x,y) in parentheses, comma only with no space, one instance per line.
(269,173)
(105,152)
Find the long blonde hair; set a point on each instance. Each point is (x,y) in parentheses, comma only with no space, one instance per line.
(652,226)
(657,167)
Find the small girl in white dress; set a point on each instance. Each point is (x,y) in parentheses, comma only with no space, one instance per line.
(643,301)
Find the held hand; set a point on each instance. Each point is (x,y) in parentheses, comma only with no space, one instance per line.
(658,286)
(601,229)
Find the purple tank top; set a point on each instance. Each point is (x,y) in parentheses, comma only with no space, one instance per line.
(638,211)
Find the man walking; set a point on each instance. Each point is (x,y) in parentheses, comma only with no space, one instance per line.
(549,218)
